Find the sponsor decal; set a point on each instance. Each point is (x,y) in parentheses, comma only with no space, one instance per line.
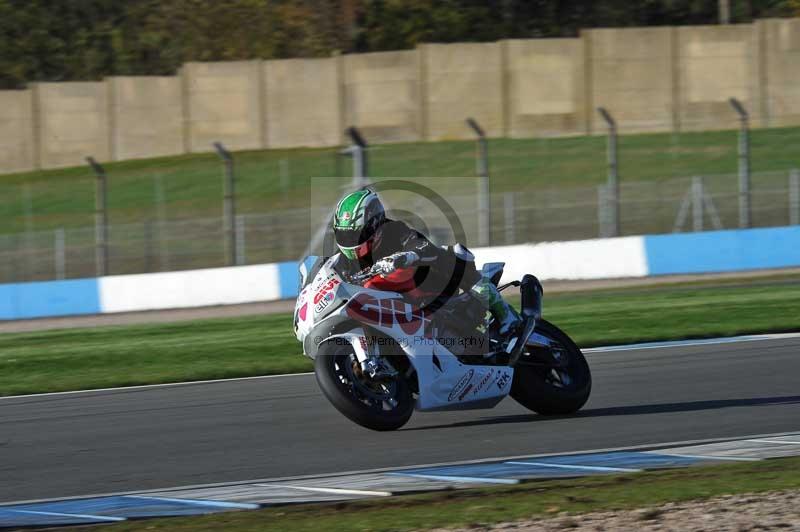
(346,216)
(464,393)
(325,294)
(461,385)
(388,312)
(483,382)
(320,282)
(323,303)
(503,380)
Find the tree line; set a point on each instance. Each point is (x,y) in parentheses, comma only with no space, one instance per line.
(68,40)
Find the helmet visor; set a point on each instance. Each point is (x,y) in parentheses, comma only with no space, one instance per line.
(349,238)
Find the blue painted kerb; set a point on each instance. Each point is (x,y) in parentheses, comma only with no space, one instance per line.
(723,251)
(289,277)
(51,298)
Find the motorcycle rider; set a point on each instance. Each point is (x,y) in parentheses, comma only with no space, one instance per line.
(366,238)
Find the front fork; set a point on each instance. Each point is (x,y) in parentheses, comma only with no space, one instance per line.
(371,363)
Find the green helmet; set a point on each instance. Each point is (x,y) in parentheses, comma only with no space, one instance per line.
(355,221)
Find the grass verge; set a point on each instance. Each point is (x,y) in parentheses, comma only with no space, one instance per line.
(75,359)
(492,505)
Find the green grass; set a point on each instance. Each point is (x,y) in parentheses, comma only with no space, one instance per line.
(481,507)
(192,185)
(223,348)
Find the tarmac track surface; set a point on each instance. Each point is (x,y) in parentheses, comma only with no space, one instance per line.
(159,437)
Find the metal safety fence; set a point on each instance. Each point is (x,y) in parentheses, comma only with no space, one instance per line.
(694,203)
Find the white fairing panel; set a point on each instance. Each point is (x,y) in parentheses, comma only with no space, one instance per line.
(444,382)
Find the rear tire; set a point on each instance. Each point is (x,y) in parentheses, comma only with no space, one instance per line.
(551,394)
(352,397)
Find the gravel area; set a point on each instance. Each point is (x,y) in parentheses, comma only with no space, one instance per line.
(734,513)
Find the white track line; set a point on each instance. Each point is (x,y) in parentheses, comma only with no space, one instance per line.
(606,349)
(781,442)
(163,385)
(690,343)
(457,478)
(210,503)
(58,514)
(706,457)
(581,467)
(335,491)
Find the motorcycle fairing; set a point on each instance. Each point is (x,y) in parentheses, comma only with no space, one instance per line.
(444,381)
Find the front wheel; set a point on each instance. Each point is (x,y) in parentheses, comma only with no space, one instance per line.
(385,404)
(554,380)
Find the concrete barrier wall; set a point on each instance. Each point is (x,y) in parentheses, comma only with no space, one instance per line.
(781,68)
(382,95)
(302,103)
(17,149)
(546,91)
(223,103)
(460,81)
(636,256)
(650,79)
(632,74)
(146,117)
(717,63)
(73,123)
(195,288)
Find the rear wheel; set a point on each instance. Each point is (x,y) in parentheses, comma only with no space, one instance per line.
(553,380)
(384,404)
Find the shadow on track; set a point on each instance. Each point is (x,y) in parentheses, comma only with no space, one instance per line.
(634,410)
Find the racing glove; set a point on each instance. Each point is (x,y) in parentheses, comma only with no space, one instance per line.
(403,259)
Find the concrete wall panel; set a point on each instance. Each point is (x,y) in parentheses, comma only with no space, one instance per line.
(17,150)
(224,104)
(73,123)
(303,100)
(782,70)
(717,63)
(147,114)
(463,80)
(632,76)
(382,95)
(546,87)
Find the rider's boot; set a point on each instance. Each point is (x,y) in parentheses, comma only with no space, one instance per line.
(486,292)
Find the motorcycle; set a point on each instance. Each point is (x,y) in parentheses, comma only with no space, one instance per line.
(378,354)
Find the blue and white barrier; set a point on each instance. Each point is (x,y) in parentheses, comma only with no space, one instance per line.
(635,256)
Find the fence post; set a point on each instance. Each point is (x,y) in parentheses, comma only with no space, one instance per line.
(744,163)
(613,227)
(59,253)
(100,218)
(241,253)
(358,151)
(482,169)
(697,203)
(286,178)
(148,245)
(229,204)
(510,215)
(163,245)
(794,197)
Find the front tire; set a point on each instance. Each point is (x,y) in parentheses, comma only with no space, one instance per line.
(549,390)
(377,405)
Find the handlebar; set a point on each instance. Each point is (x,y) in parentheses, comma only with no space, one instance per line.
(363,275)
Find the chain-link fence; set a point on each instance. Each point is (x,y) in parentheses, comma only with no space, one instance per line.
(528,215)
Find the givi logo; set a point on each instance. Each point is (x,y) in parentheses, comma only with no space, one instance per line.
(388,312)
